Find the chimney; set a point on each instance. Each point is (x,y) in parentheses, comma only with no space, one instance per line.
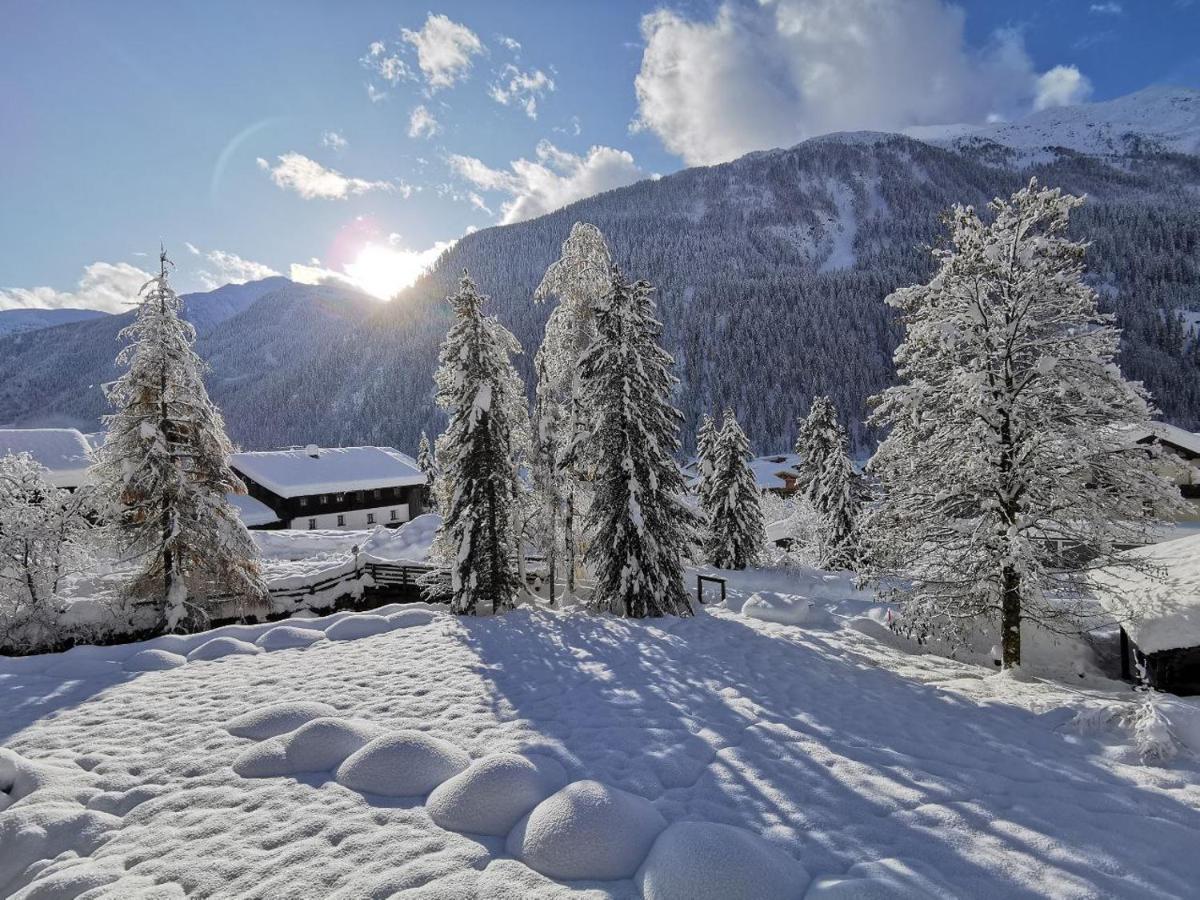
(313,450)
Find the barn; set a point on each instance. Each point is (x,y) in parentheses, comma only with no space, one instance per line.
(1159,612)
(332,487)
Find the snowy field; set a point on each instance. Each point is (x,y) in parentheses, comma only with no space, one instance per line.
(325,758)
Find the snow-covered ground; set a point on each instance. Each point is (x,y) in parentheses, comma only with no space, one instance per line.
(785,746)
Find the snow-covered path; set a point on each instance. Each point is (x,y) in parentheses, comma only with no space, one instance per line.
(813,738)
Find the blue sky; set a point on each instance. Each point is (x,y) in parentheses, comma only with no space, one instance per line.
(355,139)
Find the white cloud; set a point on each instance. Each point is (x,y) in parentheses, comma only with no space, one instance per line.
(112,287)
(334,141)
(422,124)
(374,94)
(444,50)
(1106,9)
(312,180)
(1061,86)
(510,44)
(553,180)
(381,270)
(223,267)
(774,73)
(521,88)
(388,66)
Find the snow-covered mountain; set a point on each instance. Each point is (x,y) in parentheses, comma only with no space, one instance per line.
(18,321)
(771,272)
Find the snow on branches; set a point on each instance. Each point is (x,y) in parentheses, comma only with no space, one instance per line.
(639,526)
(1009,471)
(730,496)
(829,483)
(477,457)
(164,474)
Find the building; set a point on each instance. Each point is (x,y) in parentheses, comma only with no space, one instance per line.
(340,487)
(1180,461)
(778,473)
(63,452)
(1158,609)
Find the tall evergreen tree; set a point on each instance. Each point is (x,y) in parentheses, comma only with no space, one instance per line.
(829,483)
(1009,431)
(814,444)
(163,470)
(639,525)
(735,536)
(478,489)
(427,463)
(578,279)
(706,445)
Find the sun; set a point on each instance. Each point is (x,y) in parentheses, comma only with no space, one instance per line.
(385,271)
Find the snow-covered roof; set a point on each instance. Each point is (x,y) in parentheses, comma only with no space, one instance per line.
(302,471)
(1169,434)
(766,469)
(1160,609)
(252,512)
(64,452)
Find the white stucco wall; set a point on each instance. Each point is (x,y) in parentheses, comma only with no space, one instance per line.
(354,519)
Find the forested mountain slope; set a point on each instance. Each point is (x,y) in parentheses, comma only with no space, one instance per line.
(771,273)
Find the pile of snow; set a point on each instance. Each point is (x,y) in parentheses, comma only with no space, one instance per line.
(154,661)
(222,646)
(284,637)
(277,719)
(410,542)
(493,793)
(352,628)
(401,764)
(708,861)
(785,609)
(320,745)
(587,830)
(884,879)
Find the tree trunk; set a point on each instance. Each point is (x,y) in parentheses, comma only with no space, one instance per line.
(553,560)
(569,538)
(1010,618)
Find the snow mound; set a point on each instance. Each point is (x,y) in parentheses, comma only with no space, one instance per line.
(402,764)
(42,832)
(153,661)
(279,718)
(785,609)
(493,794)
(220,647)
(587,830)
(708,861)
(287,636)
(884,879)
(352,628)
(318,746)
(879,631)
(411,541)
(410,618)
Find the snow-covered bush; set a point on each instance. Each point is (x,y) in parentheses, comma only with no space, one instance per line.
(44,535)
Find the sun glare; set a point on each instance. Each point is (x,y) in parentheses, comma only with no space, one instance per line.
(385,271)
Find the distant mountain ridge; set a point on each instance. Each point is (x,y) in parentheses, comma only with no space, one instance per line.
(770,271)
(19,321)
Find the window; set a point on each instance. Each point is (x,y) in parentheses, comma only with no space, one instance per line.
(312,524)
(375,493)
(393,515)
(304,501)
(341,521)
(324,499)
(340,498)
(370,518)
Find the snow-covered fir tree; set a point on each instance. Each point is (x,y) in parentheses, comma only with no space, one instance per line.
(578,279)
(829,482)
(477,457)
(706,444)
(44,532)
(1010,437)
(639,525)
(163,472)
(427,463)
(734,538)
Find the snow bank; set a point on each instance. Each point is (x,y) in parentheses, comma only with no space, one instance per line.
(884,879)
(493,793)
(154,661)
(709,861)
(401,764)
(352,628)
(411,618)
(587,830)
(410,542)
(283,637)
(280,718)
(785,609)
(318,746)
(222,646)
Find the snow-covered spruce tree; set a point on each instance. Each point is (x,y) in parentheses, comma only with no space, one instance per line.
(577,279)
(427,463)
(163,473)
(829,483)
(1009,432)
(44,533)
(735,536)
(478,488)
(706,445)
(640,529)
